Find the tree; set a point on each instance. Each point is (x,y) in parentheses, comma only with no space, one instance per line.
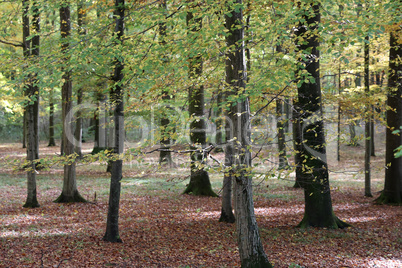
(314,176)
(392,193)
(116,97)
(70,192)
(250,247)
(199,178)
(367,127)
(165,155)
(297,143)
(78,125)
(32,92)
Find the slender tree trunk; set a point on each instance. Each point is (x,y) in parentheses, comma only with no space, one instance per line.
(283,162)
(24,128)
(52,141)
(227,209)
(250,247)
(165,155)
(219,123)
(78,125)
(199,178)
(100,119)
(315,180)
(116,95)
(338,140)
(367,127)
(297,143)
(70,192)
(372,132)
(33,96)
(392,193)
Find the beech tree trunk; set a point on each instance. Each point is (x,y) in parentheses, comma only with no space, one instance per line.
(392,193)
(250,247)
(165,155)
(367,125)
(280,126)
(52,141)
(297,143)
(314,176)
(78,125)
(227,209)
(116,96)
(199,178)
(32,91)
(70,192)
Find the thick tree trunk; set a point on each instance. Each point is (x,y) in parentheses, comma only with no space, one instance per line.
(367,127)
(70,192)
(116,96)
(199,178)
(318,205)
(250,247)
(392,193)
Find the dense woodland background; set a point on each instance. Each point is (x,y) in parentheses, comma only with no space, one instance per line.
(188,109)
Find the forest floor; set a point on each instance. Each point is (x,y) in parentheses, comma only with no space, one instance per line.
(160,227)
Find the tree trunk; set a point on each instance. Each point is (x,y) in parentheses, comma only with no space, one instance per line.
(297,143)
(227,209)
(367,125)
(250,247)
(165,155)
(78,125)
(372,132)
(219,123)
(283,162)
(116,96)
(318,205)
(52,141)
(199,178)
(100,119)
(392,193)
(70,192)
(338,140)
(24,128)
(32,91)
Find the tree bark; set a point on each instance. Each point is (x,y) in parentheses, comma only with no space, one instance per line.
(78,124)
(227,191)
(52,141)
(165,155)
(315,180)
(32,91)
(392,193)
(250,247)
(280,126)
(199,178)
(297,143)
(70,192)
(116,95)
(367,125)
